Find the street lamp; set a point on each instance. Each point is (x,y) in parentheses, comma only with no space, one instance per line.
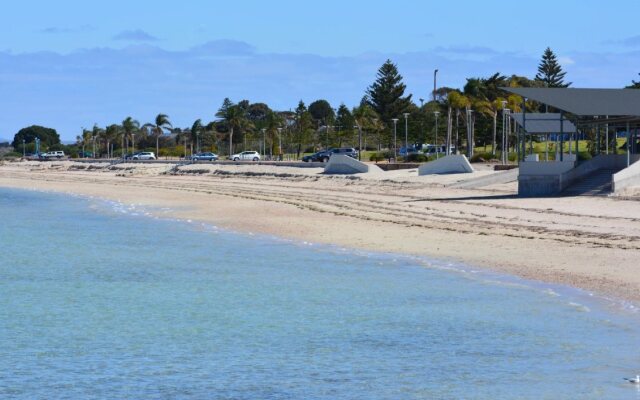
(264,142)
(279,144)
(435,73)
(359,128)
(406,133)
(395,124)
(436,113)
(24,152)
(505,111)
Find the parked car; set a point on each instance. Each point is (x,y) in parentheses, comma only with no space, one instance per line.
(246,155)
(144,155)
(411,150)
(439,149)
(131,155)
(315,157)
(53,154)
(325,155)
(204,157)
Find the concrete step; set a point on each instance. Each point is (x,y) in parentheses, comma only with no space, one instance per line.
(596,184)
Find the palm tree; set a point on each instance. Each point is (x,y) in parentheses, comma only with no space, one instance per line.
(273,121)
(495,107)
(366,119)
(96,136)
(129,127)
(83,140)
(161,123)
(196,129)
(235,118)
(110,135)
(458,102)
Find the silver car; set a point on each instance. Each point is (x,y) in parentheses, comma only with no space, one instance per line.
(246,156)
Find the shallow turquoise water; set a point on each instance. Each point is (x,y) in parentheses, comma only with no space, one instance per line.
(100,301)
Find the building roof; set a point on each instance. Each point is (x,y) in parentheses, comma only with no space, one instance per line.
(585,102)
(540,123)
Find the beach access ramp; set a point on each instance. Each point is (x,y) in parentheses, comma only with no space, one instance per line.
(340,164)
(451,164)
(487,180)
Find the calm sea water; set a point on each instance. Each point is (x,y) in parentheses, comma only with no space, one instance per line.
(101,301)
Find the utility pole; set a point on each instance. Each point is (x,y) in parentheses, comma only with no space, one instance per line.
(395,124)
(436,113)
(435,74)
(406,134)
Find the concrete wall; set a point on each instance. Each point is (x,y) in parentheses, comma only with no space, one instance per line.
(545,168)
(451,164)
(538,185)
(628,177)
(341,164)
(486,180)
(551,178)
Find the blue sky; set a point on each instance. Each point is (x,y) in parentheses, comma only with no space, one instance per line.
(70,64)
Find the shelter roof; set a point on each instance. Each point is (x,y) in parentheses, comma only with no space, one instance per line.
(539,123)
(585,102)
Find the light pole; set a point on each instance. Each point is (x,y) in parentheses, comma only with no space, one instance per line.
(395,124)
(359,128)
(406,134)
(435,74)
(504,122)
(133,144)
(436,113)
(24,152)
(264,142)
(280,144)
(506,127)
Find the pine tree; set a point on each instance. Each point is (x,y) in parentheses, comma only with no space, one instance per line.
(385,95)
(550,72)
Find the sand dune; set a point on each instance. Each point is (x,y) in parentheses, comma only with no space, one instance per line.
(586,242)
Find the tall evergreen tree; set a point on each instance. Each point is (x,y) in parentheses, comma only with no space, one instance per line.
(550,72)
(386,94)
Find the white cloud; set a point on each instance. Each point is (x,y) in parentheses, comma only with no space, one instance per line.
(564,61)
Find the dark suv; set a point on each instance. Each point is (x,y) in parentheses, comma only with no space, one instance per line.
(326,154)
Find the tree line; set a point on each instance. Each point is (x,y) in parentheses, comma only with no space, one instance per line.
(468,118)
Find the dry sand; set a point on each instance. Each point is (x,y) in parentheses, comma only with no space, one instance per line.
(586,242)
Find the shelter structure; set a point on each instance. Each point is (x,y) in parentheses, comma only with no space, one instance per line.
(580,111)
(548,125)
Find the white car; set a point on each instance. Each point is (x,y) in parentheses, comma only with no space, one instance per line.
(145,155)
(246,155)
(53,154)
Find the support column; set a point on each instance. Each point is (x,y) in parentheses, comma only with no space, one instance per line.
(598,143)
(561,136)
(628,145)
(606,131)
(577,139)
(524,128)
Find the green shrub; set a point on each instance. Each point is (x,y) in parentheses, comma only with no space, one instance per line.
(416,158)
(11,155)
(584,156)
(376,157)
(480,157)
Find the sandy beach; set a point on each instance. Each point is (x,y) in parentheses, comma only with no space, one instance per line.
(591,243)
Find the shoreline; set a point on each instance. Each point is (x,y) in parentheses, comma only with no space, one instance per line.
(288,206)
